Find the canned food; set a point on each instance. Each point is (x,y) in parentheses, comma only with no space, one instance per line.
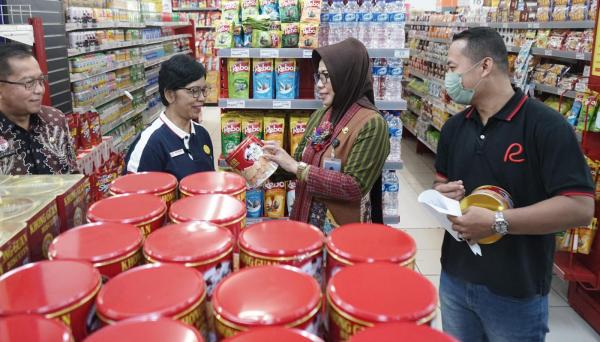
(223,210)
(366,243)
(161,184)
(158,290)
(283,242)
(205,183)
(489,197)
(393,332)
(14,245)
(363,295)
(33,328)
(144,211)
(62,290)
(266,296)
(274,334)
(111,247)
(201,245)
(156,330)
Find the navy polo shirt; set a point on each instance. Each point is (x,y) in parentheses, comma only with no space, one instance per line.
(529,150)
(164,147)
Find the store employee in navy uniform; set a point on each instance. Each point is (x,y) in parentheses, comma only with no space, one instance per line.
(508,140)
(174,142)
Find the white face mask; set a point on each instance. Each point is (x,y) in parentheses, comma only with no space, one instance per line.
(455,89)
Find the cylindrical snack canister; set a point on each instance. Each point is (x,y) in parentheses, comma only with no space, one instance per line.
(206,183)
(274,334)
(161,184)
(363,295)
(61,289)
(153,330)
(265,296)
(489,197)
(111,247)
(283,242)
(144,211)
(157,290)
(223,210)
(365,243)
(33,328)
(392,332)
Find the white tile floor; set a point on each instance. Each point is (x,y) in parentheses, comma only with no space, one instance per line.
(417,175)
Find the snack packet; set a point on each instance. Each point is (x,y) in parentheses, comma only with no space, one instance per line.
(291,196)
(231,11)
(252,125)
(254,203)
(289,11)
(286,78)
(311,11)
(263,78)
(274,128)
(239,78)
(309,35)
(249,8)
(270,8)
(224,37)
(291,35)
(231,132)
(248,161)
(275,199)
(297,131)
(586,237)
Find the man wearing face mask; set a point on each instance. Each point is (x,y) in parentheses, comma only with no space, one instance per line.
(509,140)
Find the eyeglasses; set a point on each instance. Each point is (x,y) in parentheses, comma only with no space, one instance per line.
(323,77)
(29,85)
(196,91)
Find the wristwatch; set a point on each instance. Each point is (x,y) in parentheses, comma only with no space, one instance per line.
(500,225)
(301,167)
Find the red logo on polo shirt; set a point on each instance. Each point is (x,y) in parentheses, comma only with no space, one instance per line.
(513,152)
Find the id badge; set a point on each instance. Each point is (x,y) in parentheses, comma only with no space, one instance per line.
(333,164)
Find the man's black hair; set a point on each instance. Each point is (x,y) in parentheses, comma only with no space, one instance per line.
(10,51)
(178,72)
(484,42)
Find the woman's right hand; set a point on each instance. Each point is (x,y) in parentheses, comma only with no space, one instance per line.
(454,190)
(273,152)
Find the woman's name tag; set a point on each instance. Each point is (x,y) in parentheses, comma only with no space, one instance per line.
(332,164)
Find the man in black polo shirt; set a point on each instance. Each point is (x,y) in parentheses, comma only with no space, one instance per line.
(517,143)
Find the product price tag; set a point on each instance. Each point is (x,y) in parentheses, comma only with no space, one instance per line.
(484,24)
(581,87)
(240,53)
(236,104)
(282,104)
(269,53)
(536,25)
(505,25)
(580,55)
(307,53)
(401,53)
(548,52)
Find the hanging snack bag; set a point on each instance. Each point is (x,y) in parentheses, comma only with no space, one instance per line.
(270,8)
(255,199)
(297,130)
(224,34)
(94,121)
(309,35)
(276,36)
(291,195)
(231,11)
(239,78)
(248,161)
(247,42)
(238,36)
(231,132)
(586,237)
(252,125)
(249,8)
(263,79)
(74,129)
(289,11)
(286,78)
(274,128)
(291,35)
(275,199)
(86,132)
(311,11)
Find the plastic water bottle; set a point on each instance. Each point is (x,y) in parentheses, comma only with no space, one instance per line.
(365,19)
(324,29)
(395,130)
(380,19)
(395,24)
(350,19)
(379,78)
(336,23)
(390,193)
(393,81)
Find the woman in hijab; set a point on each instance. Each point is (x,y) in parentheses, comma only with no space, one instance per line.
(339,161)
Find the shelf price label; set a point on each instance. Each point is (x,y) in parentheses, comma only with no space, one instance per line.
(240,53)
(580,55)
(269,53)
(236,104)
(505,25)
(307,53)
(548,52)
(401,53)
(282,104)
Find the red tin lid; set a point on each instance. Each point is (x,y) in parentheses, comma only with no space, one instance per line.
(267,295)
(188,242)
(129,208)
(151,290)
(213,183)
(96,242)
(144,183)
(393,332)
(382,292)
(365,242)
(273,238)
(135,330)
(216,208)
(274,334)
(46,287)
(33,328)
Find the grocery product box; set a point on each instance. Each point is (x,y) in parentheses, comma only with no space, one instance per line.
(14,245)
(72,200)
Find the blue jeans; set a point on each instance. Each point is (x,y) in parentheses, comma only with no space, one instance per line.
(472,313)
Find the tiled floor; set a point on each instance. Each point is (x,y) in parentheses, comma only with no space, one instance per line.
(417,175)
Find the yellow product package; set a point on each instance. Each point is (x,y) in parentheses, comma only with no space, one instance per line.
(231,132)
(252,124)
(274,125)
(297,130)
(586,237)
(309,35)
(275,199)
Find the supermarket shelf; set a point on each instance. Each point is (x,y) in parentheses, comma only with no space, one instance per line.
(20,33)
(427,145)
(435,40)
(418,93)
(432,60)
(154,114)
(554,90)
(441,24)
(166,39)
(393,165)
(167,24)
(104,47)
(107,24)
(153,62)
(82,76)
(296,104)
(562,54)
(410,130)
(153,89)
(207,9)
(391,105)
(302,53)
(514,25)
(133,113)
(205,27)
(425,77)
(111,98)
(513,49)
(391,219)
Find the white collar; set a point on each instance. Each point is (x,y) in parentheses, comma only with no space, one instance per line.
(180,133)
